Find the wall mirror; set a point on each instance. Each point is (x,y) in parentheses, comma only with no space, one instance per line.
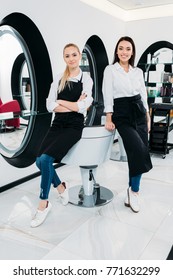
(16,82)
(24,67)
(88,65)
(157,65)
(94,60)
(21,82)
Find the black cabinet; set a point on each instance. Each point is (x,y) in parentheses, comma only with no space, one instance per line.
(158,139)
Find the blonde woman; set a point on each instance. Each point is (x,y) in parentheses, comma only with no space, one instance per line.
(69,97)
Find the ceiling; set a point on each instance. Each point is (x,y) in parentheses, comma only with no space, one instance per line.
(130,10)
(139,4)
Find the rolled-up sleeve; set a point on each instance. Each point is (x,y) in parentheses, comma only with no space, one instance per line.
(143,90)
(107,89)
(51,103)
(84,104)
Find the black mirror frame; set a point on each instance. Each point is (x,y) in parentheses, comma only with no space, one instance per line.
(98,60)
(42,80)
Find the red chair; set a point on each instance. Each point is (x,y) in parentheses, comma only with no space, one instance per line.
(11,106)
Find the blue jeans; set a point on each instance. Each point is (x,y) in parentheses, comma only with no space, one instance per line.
(48,175)
(134,182)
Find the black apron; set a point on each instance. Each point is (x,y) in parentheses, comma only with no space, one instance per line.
(66,128)
(130,120)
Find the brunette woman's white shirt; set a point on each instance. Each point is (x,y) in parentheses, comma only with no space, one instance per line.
(119,83)
(84,104)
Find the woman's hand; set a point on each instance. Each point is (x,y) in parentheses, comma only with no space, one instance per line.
(60,108)
(69,105)
(59,102)
(109,125)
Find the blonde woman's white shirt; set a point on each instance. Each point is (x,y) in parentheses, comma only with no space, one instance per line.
(83,105)
(119,83)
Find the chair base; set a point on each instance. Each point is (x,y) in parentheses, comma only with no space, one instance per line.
(100,196)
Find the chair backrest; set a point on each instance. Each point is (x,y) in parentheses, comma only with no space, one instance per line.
(10,106)
(93,148)
(0,102)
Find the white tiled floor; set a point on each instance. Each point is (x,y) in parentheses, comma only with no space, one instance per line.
(112,231)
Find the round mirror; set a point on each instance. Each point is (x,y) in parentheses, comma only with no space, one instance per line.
(94,60)
(156,63)
(21,82)
(25,78)
(16,82)
(88,65)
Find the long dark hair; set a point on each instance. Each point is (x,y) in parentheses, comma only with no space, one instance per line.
(132,59)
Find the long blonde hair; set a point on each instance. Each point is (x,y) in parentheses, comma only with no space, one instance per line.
(66,74)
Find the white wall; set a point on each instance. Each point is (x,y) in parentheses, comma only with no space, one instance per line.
(61,22)
(64,21)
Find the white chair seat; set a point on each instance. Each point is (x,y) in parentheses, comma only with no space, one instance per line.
(91,150)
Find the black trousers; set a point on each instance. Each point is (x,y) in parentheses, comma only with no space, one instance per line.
(130,120)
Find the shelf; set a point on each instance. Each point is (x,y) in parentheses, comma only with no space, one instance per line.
(151,84)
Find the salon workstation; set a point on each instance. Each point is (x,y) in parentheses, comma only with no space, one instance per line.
(95,224)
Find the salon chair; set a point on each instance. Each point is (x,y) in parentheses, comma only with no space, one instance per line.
(88,153)
(10,106)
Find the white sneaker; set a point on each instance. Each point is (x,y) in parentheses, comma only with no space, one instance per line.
(126,202)
(132,200)
(40,216)
(65,195)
